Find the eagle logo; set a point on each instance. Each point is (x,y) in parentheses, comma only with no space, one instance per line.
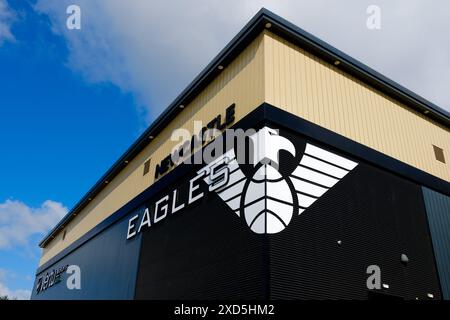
(268,200)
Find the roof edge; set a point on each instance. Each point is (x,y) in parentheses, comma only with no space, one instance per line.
(254,27)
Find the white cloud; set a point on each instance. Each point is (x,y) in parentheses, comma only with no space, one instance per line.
(6,19)
(18,222)
(154,48)
(20,294)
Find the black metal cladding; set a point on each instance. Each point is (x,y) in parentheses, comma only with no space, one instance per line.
(108,266)
(204,252)
(438,211)
(208,252)
(288,31)
(376,216)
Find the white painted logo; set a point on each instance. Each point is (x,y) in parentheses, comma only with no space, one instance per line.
(268,200)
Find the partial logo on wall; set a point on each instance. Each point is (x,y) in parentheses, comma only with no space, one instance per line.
(50,279)
(269,200)
(267,192)
(53,277)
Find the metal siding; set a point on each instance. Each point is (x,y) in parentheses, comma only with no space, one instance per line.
(212,254)
(108,265)
(377,216)
(304,85)
(202,253)
(272,70)
(241,82)
(438,210)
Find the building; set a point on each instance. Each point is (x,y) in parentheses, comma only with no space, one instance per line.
(350,185)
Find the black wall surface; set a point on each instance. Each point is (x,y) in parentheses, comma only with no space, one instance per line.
(438,211)
(202,252)
(108,267)
(208,252)
(377,216)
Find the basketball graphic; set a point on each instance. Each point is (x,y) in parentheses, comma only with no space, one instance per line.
(266,200)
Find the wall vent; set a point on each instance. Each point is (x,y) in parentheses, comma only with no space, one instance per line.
(146,167)
(439,154)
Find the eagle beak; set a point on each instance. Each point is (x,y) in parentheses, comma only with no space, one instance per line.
(267,145)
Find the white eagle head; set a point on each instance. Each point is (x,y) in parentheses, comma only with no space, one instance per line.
(267,144)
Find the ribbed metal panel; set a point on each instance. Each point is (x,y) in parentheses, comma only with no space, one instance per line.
(306,86)
(204,252)
(378,217)
(438,210)
(108,266)
(208,252)
(241,82)
(273,70)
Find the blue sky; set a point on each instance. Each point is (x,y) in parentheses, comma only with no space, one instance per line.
(58,132)
(72,101)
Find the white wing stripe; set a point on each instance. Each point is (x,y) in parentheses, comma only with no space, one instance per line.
(314,176)
(308,188)
(305,201)
(232,179)
(234,204)
(235,176)
(329,157)
(317,171)
(328,169)
(323,167)
(229,193)
(233,165)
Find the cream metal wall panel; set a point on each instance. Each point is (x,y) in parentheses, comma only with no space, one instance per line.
(304,85)
(273,70)
(241,82)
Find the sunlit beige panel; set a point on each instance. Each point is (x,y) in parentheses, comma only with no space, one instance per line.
(241,83)
(306,86)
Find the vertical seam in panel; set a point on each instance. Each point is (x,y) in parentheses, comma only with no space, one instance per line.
(425,202)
